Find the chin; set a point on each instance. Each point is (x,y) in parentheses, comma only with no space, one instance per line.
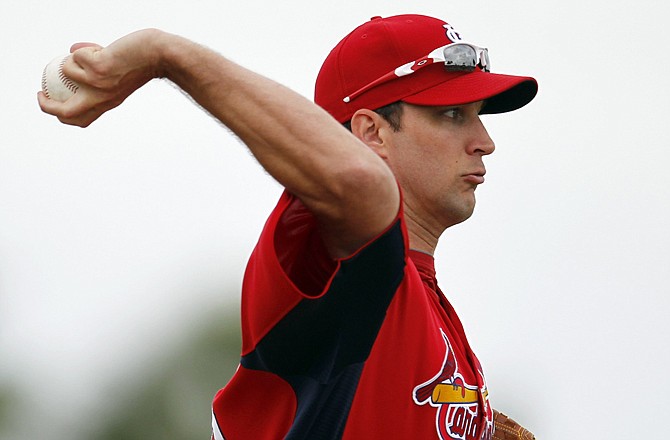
(459,214)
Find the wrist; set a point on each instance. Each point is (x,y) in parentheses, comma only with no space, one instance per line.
(187,64)
(156,52)
(172,55)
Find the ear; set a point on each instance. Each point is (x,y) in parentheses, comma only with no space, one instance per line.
(372,129)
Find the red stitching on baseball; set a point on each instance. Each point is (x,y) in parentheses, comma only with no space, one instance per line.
(67,82)
(44,83)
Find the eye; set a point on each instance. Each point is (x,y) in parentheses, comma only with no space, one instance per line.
(453,113)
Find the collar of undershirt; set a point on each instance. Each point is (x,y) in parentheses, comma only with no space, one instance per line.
(425,264)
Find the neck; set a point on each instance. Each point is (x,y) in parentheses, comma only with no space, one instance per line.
(421,237)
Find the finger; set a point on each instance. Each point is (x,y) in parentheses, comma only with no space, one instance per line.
(79,65)
(49,106)
(86,55)
(74,111)
(75,47)
(54,108)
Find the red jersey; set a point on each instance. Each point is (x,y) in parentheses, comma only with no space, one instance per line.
(365,347)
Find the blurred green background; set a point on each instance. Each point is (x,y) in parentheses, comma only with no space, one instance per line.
(171,399)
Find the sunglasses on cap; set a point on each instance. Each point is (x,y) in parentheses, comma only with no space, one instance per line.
(457,57)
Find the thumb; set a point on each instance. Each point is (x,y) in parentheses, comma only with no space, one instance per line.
(84,54)
(78,46)
(84,64)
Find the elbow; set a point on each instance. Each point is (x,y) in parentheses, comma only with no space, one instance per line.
(366,187)
(354,205)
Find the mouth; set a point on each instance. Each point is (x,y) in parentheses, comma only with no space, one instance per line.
(475,178)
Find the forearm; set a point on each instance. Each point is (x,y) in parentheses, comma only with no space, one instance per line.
(294,140)
(348,187)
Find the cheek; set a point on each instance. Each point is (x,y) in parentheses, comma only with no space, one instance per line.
(424,164)
(439,165)
(424,178)
(407,163)
(424,159)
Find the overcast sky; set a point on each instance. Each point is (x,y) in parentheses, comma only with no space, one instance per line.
(116,237)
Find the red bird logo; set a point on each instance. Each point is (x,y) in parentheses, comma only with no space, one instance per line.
(458,403)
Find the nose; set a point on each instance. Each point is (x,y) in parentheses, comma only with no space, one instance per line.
(481,142)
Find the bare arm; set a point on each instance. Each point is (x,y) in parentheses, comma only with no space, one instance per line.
(346,185)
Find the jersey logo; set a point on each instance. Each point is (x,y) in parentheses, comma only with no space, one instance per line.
(458,403)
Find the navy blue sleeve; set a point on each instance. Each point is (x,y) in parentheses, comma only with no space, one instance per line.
(320,346)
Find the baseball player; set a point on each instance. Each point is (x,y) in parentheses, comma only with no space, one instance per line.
(346,334)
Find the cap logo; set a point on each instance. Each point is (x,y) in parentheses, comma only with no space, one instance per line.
(452,34)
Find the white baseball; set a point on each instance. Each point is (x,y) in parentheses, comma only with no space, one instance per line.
(55,84)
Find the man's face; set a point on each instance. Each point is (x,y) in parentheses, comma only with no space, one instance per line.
(437,157)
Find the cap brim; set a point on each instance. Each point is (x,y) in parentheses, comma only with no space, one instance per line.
(502,93)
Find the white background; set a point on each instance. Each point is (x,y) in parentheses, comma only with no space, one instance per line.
(114,238)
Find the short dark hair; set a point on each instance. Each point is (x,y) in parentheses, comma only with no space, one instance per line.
(391,114)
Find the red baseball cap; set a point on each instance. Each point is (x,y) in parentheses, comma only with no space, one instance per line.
(382,45)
